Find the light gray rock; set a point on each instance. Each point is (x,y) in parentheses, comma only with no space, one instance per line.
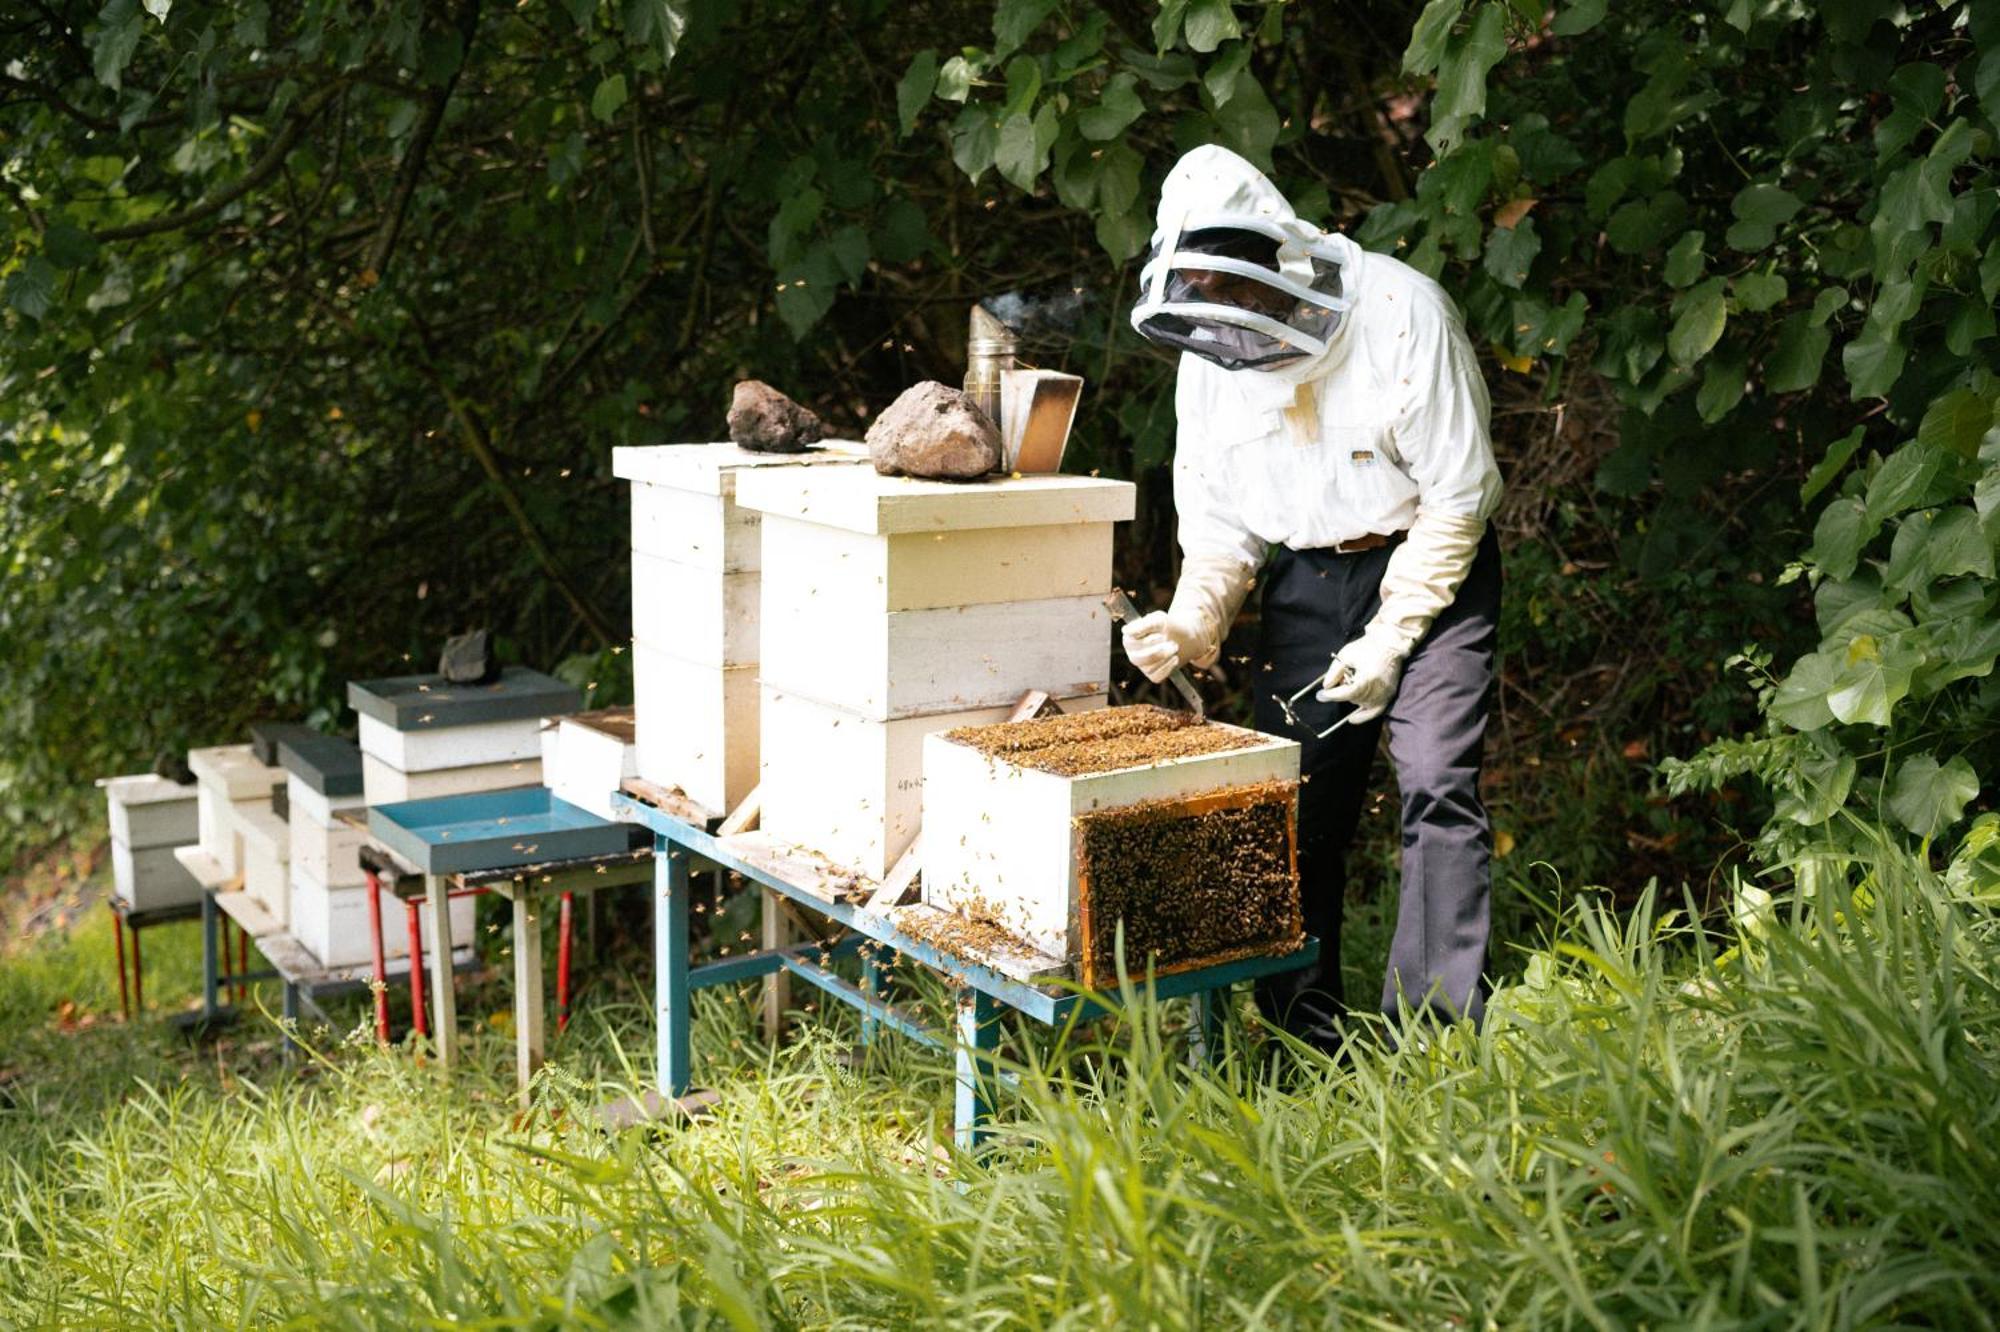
(935,431)
(764,420)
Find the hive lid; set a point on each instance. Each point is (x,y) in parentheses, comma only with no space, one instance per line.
(329,764)
(620,724)
(266,736)
(145,788)
(858,499)
(711,469)
(430,702)
(236,770)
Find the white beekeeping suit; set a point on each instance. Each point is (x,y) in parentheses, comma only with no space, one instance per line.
(1344,405)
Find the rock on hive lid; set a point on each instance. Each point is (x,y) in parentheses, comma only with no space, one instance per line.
(328,764)
(430,702)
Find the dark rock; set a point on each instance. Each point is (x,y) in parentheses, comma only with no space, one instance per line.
(764,420)
(936,431)
(464,660)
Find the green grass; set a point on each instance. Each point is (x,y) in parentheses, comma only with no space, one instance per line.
(1797,1132)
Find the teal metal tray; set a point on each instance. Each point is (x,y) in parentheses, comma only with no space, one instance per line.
(483,830)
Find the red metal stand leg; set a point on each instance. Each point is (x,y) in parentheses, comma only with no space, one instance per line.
(381,964)
(118,951)
(138,977)
(242,962)
(417,1018)
(562,963)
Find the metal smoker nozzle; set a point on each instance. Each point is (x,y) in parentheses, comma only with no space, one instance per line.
(989,349)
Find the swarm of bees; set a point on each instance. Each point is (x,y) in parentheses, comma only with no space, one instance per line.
(1189,887)
(1103,740)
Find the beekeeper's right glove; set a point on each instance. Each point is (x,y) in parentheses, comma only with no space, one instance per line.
(1189,632)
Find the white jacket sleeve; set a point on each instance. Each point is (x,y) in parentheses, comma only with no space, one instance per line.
(1443,437)
(1220,556)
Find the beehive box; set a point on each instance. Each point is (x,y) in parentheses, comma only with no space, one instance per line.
(266,842)
(149,816)
(230,781)
(894,608)
(592,755)
(422,735)
(323,778)
(332,923)
(1055,831)
(696,630)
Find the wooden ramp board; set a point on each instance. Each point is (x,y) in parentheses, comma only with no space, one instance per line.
(946,931)
(296,966)
(669,800)
(255,918)
(205,868)
(802,868)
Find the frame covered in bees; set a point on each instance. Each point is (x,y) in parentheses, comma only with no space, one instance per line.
(1068,834)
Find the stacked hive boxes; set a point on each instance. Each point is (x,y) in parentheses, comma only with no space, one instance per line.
(423,736)
(234,813)
(695,563)
(587,757)
(893,608)
(149,817)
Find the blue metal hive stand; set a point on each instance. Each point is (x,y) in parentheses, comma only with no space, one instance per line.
(679,843)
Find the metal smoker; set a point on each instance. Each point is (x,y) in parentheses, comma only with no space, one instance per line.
(989,349)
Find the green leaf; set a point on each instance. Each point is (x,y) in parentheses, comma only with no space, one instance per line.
(955,79)
(610,95)
(32,288)
(914,89)
(901,231)
(1721,386)
(670,21)
(1819,786)
(1167,23)
(1117,107)
(1427,39)
(1461,84)
(1907,479)
(1703,313)
(1800,701)
(1014,21)
(1121,234)
(1956,422)
(849,246)
(1827,468)
(1222,72)
(1873,362)
(1642,225)
(159,9)
(1685,260)
(1838,537)
(1024,85)
(1249,124)
(1579,16)
(68,246)
(1510,251)
(115,41)
(1209,24)
(1118,180)
(806,290)
(1795,364)
(1928,797)
(1022,153)
(975,137)
(1757,292)
(1875,675)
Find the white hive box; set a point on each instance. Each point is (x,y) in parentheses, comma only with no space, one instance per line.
(1008,843)
(894,608)
(695,623)
(323,779)
(145,810)
(231,781)
(266,843)
(423,736)
(332,923)
(593,754)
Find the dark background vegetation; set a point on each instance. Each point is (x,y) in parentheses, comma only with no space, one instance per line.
(321,320)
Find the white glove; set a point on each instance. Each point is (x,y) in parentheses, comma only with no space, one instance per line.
(1190,630)
(1423,575)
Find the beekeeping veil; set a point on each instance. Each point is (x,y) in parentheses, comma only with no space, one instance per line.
(1234,276)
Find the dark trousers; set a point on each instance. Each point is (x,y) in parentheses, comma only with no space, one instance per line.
(1316,601)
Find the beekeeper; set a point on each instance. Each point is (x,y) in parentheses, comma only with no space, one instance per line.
(1333,447)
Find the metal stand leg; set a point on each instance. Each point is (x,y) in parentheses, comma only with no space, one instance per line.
(527,990)
(118,951)
(378,956)
(871,985)
(777,927)
(211,968)
(564,929)
(1211,1009)
(138,976)
(242,963)
(671,890)
(978,1036)
(437,902)
(414,922)
(291,1020)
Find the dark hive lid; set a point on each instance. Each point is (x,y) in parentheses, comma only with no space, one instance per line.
(328,764)
(430,702)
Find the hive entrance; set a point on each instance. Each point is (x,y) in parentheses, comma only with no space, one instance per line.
(1195,881)
(1079,743)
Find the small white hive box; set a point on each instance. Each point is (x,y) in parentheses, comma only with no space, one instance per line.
(150,816)
(231,783)
(695,623)
(592,755)
(266,842)
(894,608)
(1050,834)
(423,736)
(326,889)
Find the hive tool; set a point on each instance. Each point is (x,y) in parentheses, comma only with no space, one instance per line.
(1122,609)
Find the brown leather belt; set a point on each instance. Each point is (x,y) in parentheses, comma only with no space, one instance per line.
(1368,541)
